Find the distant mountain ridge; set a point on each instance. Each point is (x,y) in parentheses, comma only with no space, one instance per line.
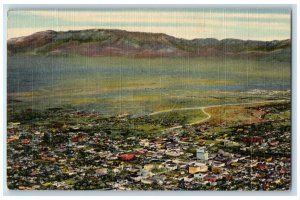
(112,42)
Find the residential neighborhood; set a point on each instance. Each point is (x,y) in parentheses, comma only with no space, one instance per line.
(86,155)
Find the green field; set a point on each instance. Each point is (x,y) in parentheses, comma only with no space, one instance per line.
(117,85)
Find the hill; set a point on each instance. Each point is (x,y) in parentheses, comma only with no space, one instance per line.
(111,42)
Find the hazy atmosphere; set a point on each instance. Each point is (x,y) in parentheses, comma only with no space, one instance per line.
(253,24)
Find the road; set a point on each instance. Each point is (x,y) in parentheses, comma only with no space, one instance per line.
(208,116)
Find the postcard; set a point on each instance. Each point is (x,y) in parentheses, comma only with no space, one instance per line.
(149,99)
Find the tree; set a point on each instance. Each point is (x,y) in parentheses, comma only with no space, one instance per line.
(47,138)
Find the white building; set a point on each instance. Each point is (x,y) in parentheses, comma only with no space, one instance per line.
(202,154)
(199,176)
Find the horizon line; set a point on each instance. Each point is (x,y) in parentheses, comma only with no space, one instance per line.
(115,29)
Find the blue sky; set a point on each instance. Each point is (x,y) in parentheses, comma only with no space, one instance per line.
(189,23)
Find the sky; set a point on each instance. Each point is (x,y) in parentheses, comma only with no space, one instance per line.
(188,23)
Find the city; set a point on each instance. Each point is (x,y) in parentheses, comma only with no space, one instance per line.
(94,152)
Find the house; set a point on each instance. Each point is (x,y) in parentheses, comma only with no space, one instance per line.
(140,151)
(216,170)
(136,178)
(147,181)
(127,157)
(149,166)
(261,167)
(12,131)
(225,154)
(199,176)
(78,138)
(47,158)
(188,179)
(218,164)
(171,166)
(210,178)
(12,139)
(198,168)
(251,140)
(26,141)
(116,170)
(159,179)
(144,143)
(283,171)
(123,115)
(193,169)
(269,159)
(13,125)
(102,171)
(202,154)
(173,153)
(274,143)
(144,173)
(229,143)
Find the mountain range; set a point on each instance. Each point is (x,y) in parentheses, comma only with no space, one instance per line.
(112,42)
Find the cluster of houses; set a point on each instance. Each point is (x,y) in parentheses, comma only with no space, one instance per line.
(39,159)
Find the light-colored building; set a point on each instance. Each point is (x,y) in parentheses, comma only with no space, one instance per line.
(171,166)
(173,153)
(225,154)
(147,181)
(199,176)
(144,173)
(197,168)
(202,154)
(149,166)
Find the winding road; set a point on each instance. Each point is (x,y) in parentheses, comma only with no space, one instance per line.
(208,116)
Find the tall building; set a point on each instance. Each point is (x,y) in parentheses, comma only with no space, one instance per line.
(202,154)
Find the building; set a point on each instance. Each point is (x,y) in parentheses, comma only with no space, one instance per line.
(199,176)
(127,157)
(210,178)
(197,168)
(149,166)
(225,154)
(26,141)
(216,170)
(171,166)
(261,167)
(174,153)
(253,140)
(202,154)
(144,173)
(102,171)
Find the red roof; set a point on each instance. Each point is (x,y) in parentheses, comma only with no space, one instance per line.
(261,167)
(12,139)
(141,151)
(43,157)
(11,131)
(76,138)
(282,171)
(255,139)
(210,178)
(127,157)
(25,141)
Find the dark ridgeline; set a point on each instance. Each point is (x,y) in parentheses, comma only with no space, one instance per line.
(108,42)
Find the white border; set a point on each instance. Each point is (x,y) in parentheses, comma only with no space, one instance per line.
(161,3)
